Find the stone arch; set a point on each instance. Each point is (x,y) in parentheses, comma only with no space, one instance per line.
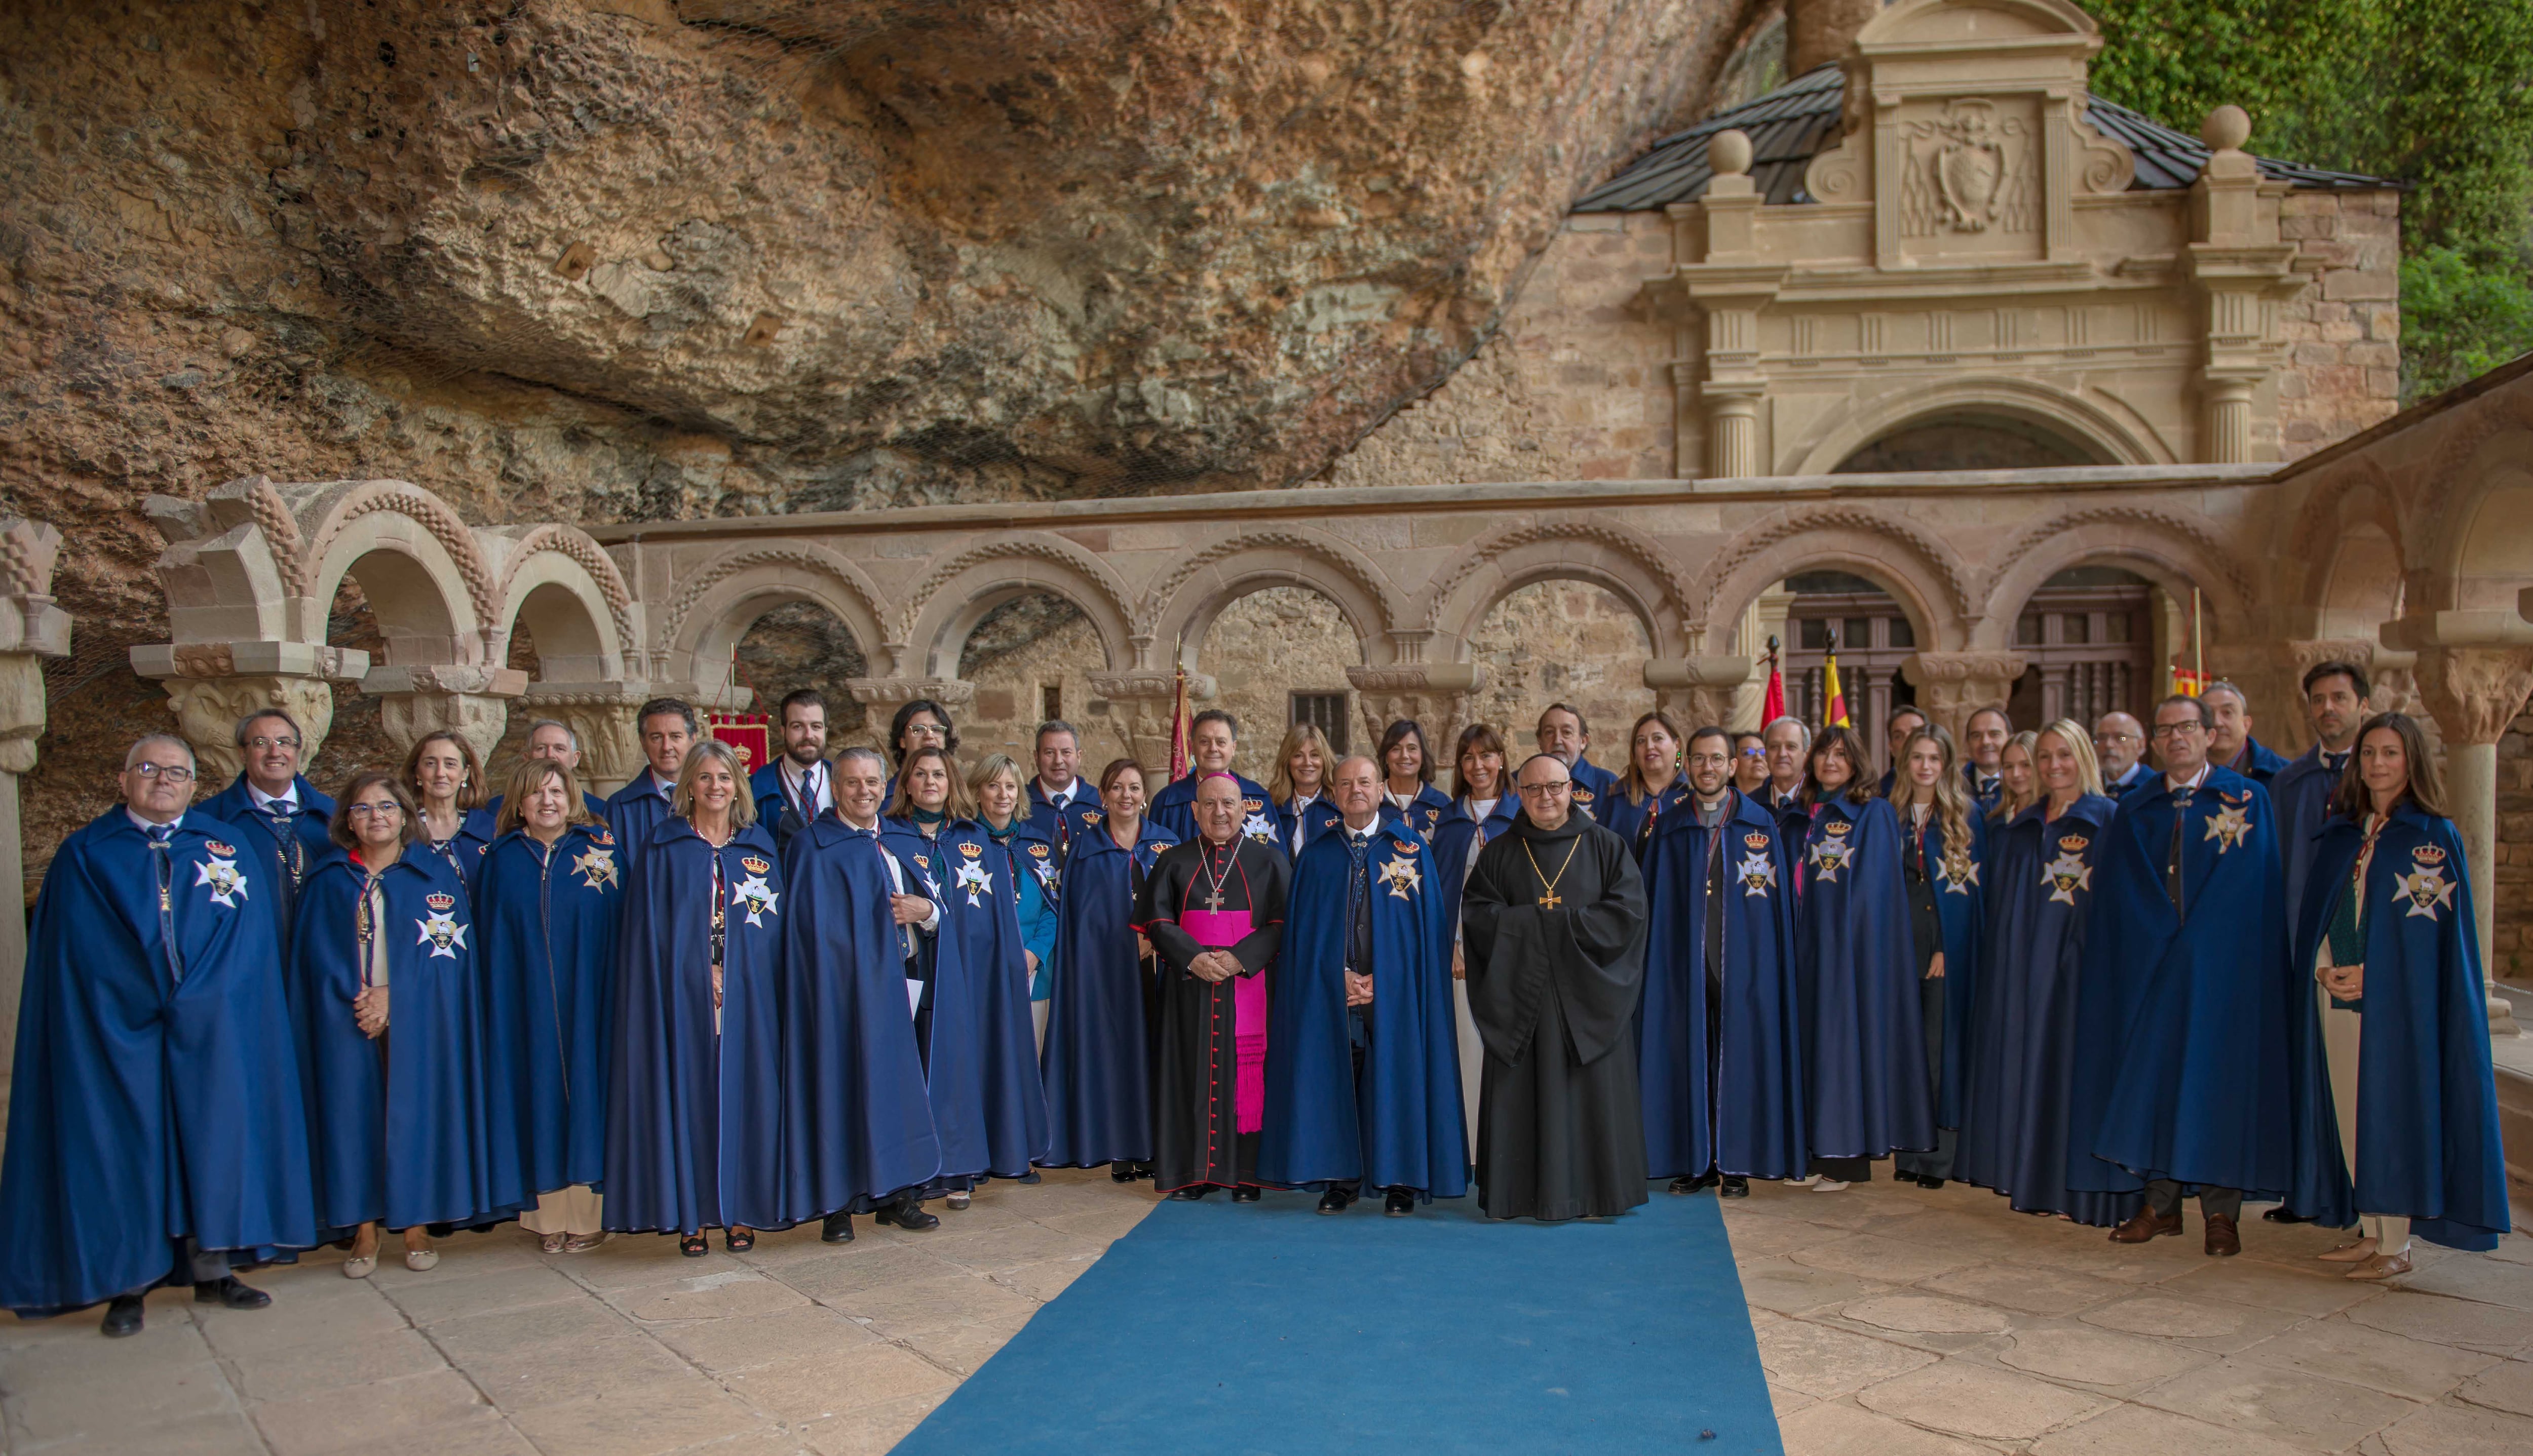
(572,599)
(717,602)
(1177,610)
(2346,546)
(1627,566)
(2476,552)
(2110,431)
(1919,569)
(420,565)
(959,589)
(2174,551)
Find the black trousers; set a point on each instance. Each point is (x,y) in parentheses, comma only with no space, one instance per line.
(1938,1163)
(2163,1195)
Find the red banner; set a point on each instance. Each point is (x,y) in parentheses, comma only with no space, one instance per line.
(752,733)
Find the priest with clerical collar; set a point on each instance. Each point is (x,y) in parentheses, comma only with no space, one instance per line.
(1363,1083)
(1554,920)
(1213,911)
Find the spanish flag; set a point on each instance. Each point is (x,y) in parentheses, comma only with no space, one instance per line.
(1836,714)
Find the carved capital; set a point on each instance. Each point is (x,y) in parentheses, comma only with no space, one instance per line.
(2474,692)
(1697,691)
(30,621)
(207,710)
(1953,685)
(1149,683)
(477,718)
(1434,694)
(603,719)
(889,692)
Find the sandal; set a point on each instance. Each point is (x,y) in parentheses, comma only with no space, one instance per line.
(551,1243)
(583,1243)
(692,1245)
(960,1200)
(738,1240)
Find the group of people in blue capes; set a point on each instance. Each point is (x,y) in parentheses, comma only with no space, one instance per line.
(855,985)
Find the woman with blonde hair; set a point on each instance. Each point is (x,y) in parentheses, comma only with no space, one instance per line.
(547,899)
(2018,785)
(1943,842)
(1000,791)
(1299,784)
(695,1105)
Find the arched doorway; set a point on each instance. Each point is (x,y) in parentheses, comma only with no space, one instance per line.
(1560,640)
(1278,656)
(2091,638)
(1969,441)
(797,644)
(1030,659)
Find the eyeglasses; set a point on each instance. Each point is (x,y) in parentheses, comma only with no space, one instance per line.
(932,730)
(1754,753)
(1561,785)
(374,811)
(2115,737)
(2186,724)
(261,743)
(172,773)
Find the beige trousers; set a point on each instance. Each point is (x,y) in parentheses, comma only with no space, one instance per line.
(2343,1033)
(567,1210)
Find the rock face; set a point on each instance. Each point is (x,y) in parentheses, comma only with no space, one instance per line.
(608,260)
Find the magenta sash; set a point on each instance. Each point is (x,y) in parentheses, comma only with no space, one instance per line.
(1221,930)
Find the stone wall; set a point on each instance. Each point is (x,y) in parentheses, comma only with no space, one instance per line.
(1568,642)
(2510,940)
(2344,335)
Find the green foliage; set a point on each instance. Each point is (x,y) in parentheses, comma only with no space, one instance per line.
(2432,93)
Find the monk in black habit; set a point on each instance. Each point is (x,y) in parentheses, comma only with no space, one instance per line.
(1554,924)
(1213,909)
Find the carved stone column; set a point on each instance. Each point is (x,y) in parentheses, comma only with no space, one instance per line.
(1953,685)
(2475,692)
(211,685)
(1138,701)
(32,628)
(472,702)
(1435,694)
(1696,691)
(602,717)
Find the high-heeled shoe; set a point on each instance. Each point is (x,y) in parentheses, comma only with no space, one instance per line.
(2354,1252)
(2383,1267)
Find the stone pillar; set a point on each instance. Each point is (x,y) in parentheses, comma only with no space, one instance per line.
(1435,695)
(2229,418)
(1953,685)
(1732,281)
(472,702)
(211,685)
(1696,691)
(1141,698)
(32,628)
(2241,265)
(2475,692)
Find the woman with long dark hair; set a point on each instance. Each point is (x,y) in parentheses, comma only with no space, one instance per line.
(1864,1056)
(2397,1126)
(1099,1059)
(402,1098)
(547,899)
(1407,788)
(1943,842)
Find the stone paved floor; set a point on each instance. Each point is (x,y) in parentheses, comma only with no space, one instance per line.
(1892,1321)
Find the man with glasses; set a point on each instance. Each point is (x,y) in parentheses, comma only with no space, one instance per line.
(667,729)
(1554,924)
(2119,744)
(2181,1059)
(280,817)
(156,1135)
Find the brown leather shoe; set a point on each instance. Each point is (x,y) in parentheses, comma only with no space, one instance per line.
(2222,1239)
(2145,1225)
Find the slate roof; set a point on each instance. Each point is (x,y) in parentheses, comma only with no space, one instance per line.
(1797,121)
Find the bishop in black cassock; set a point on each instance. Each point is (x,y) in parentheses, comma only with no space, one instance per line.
(1553,923)
(1213,909)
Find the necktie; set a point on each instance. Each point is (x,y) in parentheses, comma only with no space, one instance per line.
(2172,862)
(286,837)
(162,860)
(2334,763)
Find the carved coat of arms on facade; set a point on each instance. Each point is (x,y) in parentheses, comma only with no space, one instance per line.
(1969,171)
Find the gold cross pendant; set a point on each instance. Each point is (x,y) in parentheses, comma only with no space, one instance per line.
(1550,900)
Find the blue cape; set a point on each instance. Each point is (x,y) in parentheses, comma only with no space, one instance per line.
(1097,1065)
(2300,795)
(1032,861)
(781,818)
(463,851)
(1403,1127)
(1424,813)
(2021,1030)
(982,1065)
(1059,829)
(404,1132)
(144,1107)
(2261,762)
(547,921)
(2181,1057)
(694,1120)
(1960,908)
(1592,783)
(1628,820)
(1173,810)
(1759,1129)
(1865,1047)
(634,812)
(257,834)
(858,1127)
(1457,838)
(2427,1107)
(1316,816)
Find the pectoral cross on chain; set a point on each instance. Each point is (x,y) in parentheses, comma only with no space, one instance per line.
(1213,901)
(1552,900)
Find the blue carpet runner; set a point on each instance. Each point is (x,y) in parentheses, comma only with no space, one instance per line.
(1221,1329)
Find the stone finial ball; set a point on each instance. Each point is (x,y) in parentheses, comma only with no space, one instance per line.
(2227,127)
(1727,152)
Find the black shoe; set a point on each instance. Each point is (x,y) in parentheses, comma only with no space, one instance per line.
(229,1294)
(1190,1195)
(122,1317)
(1399,1204)
(1734,1188)
(1121,1173)
(1692,1184)
(2283,1214)
(908,1214)
(1027,1178)
(836,1229)
(1336,1199)
(1247,1193)
(1928,1180)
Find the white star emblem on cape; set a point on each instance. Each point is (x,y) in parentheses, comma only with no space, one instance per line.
(973,877)
(756,897)
(224,878)
(442,932)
